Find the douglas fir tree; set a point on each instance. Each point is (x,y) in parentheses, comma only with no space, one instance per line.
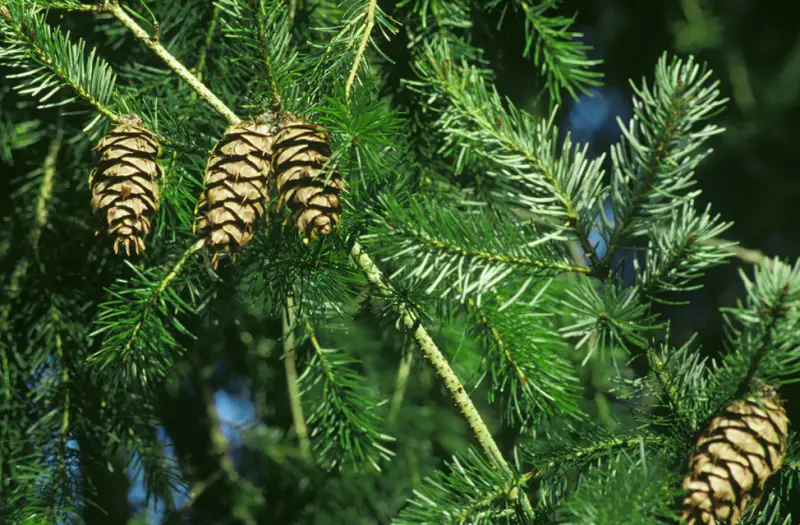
(367,197)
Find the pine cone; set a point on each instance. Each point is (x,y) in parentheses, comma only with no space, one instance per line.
(742,447)
(124,182)
(236,187)
(301,150)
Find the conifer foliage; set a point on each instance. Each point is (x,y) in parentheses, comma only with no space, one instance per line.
(443,309)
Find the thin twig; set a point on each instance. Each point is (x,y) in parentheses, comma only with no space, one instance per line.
(400,384)
(163,285)
(81,8)
(745,254)
(290,365)
(64,432)
(263,40)
(221,448)
(113,7)
(212,28)
(369,23)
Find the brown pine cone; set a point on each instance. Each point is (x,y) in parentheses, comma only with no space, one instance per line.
(236,181)
(741,448)
(124,183)
(301,151)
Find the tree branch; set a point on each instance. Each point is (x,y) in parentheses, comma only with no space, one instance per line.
(264,42)
(369,23)
(400,384)
(290,366)
(26,34)
(163,285)
(212,28)
(113,7)
(431,352)
(775,312)
(744,254)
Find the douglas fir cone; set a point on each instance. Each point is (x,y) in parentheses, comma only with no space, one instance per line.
(301,151)
(124,184)
(741,448)
(235,181)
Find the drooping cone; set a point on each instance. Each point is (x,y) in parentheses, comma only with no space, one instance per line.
(741,448)
(124,183)
(301,151)
(235,181)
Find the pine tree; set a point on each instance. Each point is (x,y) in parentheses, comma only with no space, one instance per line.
(444,309)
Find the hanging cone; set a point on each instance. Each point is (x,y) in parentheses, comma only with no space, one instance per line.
(235,187)
(742,447)
(301,151)
(124,183)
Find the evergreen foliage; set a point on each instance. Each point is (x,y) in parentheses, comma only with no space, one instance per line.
(528,270)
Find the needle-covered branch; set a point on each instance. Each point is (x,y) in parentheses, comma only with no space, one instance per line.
(559,184)
(50,61)
(557,50)
(654,164)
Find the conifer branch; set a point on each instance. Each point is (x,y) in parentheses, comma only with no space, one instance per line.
(39,222)
(471,490)
(64,429)
(346,415)
(30,37)
(654,163)
(290,366)
(562,459)
(557,50)
(410,320)
(45,191)
(133,320)
(517,261)
(680,253)
(775,311)
(559,183)
(525,359)
(212,29)
(445,249)
(221,449)
(19,273)
(263,40)
(400,384)
(159,290)
(113,7)
(21,268)
(369,24)
(763,331)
